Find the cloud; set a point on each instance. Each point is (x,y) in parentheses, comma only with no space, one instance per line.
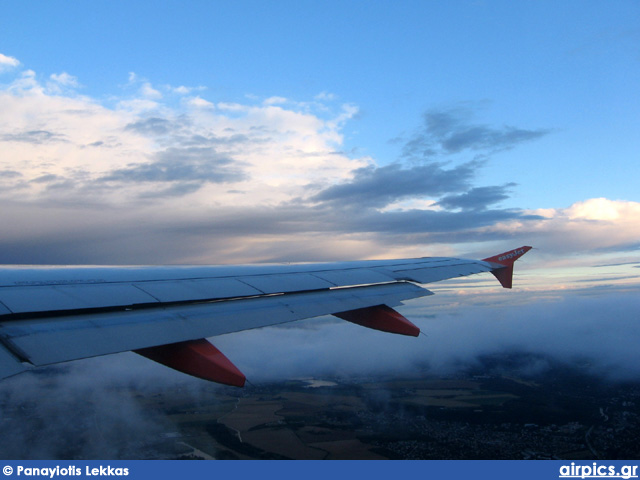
(142,140)
(275,101)
(380,186)
(148,91)
(597,333)
(431,226)
(184,90)
(325,96)
(478,198)
(195,164)
(199,102)
(450,131)
(37,137)
(65,79)
(602,209)
(589,226)
(7,63)
(152,126)
(89,182)
(89,410)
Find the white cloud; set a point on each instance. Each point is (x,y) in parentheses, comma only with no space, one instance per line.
(62,145)
(182,90)
(232,107)
(147,91)
(199,102)
(325,97)
(26,82)
(138,106)
(586,226)
(65,79)
(7,63)
(603,209)
(348,112)
(275,101)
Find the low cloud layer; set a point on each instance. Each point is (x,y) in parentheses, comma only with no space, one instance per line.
(597,333)
(104,407)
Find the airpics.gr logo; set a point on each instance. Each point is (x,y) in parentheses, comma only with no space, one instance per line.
(598,471)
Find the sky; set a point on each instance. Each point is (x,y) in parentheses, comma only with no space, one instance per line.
(217,132)
(236,132)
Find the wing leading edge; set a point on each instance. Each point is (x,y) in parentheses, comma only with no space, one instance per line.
(50,315)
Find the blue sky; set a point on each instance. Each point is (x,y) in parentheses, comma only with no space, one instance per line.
(570,67)
(388,129)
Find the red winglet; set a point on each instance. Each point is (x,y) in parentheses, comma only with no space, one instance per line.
(504,274)
(382,318)
(198,358)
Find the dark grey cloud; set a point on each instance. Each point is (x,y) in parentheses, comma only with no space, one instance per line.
(10,174)
(193,164)
(198,140)
(451,131)
(129,235)
(326,219)
(176,189)
(152,126)
(179,132)
(34,136)
(12,181)
(478,198)
(617,264)
(284,225)
(443,133)
(48,178)
(444,223)
(60,186)
(377,187)
(192,160)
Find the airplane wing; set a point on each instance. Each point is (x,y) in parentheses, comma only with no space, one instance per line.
(50,315)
